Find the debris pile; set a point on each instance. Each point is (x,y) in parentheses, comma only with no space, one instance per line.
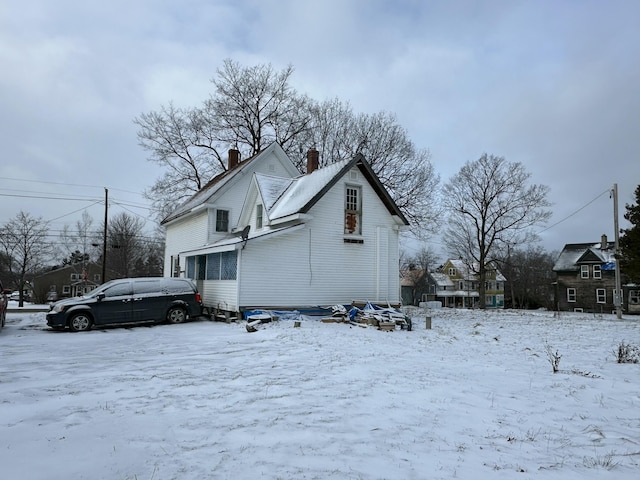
(386,319)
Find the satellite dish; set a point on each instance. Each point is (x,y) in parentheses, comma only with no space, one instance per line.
(245,235)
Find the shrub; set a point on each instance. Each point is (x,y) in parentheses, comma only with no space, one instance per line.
(627,353)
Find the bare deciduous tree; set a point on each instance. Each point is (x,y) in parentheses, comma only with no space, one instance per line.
(415,269)
(23,240)
(255,106)
(124,244)
(490,204)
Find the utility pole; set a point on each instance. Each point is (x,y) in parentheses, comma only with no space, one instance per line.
(104,236)
(617,298)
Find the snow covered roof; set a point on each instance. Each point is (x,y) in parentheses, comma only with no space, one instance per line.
(442,279)
(285,197)
(304,189)
(470,273)
(219,181)
(575,254)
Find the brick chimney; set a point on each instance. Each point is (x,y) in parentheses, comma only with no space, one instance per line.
(604,244)
(234,158)
(313,157)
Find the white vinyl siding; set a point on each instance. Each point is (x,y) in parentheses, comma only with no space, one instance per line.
(319,264)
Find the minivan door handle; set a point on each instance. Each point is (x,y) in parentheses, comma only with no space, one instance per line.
(137,299)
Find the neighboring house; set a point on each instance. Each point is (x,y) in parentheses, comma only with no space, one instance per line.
(67,281)
(454,284)
(585,274)
(413,285)
(260,235)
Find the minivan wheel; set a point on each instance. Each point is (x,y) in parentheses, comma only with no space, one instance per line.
(176,315)
(80,322)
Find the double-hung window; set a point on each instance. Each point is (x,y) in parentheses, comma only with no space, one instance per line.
(601,295)
(222,220)
(353,210)
(571,295)
(597,271)
(584,271)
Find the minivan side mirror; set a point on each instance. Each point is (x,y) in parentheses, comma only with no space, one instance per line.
(100,296)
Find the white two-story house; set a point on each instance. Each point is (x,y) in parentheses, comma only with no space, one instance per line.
(262,236)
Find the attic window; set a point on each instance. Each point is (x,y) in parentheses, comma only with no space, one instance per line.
(353,210)
(259,216)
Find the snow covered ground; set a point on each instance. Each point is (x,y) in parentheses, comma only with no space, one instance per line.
(474,397)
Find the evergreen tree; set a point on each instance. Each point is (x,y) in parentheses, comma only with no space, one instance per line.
(629,253)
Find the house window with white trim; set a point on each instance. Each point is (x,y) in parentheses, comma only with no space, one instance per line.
(634,297)
(452,272)
(571,295)
(259,214)
(222,220)
(584,271)
(353,210)
(597,271)
(601,295)
(66,289)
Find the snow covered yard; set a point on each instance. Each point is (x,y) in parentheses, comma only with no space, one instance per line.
(474,397)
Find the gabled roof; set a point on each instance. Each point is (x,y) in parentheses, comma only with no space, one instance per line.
(472,273)
(305,191)
(575,254)
(221,180)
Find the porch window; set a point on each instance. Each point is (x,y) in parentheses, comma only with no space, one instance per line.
(584,271)
(259,213)
(222,266)
(634,297)
(597,271)
(201,261)
(222,220)
(601,295)
(191,268)
(571,294)
(353,210)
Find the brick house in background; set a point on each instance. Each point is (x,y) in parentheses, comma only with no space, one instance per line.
(585,277)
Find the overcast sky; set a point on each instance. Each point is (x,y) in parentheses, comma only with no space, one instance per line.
(551,84)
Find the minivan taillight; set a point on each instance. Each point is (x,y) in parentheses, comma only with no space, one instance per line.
(198,298)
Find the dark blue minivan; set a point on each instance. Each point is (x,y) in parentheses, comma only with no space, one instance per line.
(129,301)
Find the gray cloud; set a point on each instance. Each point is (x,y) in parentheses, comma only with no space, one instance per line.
(551,84)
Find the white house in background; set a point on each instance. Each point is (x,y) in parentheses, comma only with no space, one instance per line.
(260,235)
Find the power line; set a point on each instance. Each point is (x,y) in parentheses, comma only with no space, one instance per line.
(574,213)
(68,184)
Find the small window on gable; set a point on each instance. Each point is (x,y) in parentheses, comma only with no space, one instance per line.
(452,271)
(571,294)
(222,220)
(259,214)
(597,271)
(584,271)
(353,210)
